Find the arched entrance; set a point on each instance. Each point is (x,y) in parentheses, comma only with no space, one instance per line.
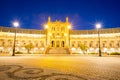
(63,43)
(52,44)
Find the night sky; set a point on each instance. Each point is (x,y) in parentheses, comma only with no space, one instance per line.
(83,14)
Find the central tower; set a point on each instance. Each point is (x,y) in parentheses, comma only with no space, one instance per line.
(57,33)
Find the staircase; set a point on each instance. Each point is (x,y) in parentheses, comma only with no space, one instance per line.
(57,51)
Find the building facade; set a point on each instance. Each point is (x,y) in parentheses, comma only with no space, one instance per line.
(59,34)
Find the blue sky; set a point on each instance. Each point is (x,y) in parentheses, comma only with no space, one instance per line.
(83,14)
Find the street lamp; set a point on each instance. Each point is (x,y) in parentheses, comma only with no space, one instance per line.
(46,26)
(98,26)
(15,24)
(69,27)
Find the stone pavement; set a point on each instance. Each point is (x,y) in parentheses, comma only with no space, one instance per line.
(59,67)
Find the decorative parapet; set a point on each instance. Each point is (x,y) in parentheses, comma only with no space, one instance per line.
(102,31)
(19,30)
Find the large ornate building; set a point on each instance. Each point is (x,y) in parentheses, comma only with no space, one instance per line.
(59,35)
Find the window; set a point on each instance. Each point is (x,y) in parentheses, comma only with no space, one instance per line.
(110,45)
(53,28)
(103,45)
(10,43)
(90,45)
(3,43)
(36,44)
(72,45)
(117,44)
(96,45)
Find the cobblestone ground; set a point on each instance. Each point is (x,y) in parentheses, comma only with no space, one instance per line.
(59,67)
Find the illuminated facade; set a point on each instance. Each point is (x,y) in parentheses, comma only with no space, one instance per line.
(59,34)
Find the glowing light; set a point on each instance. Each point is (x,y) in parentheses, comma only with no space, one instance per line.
(46,26)
(73,49)
(23,48)
(35,48)
(98,25)
(65,34)
(105,50)
(15,24)
(91,49)
(42,48)
(118,49)
(112,50)
(69,26)
(50,34)
(1,48)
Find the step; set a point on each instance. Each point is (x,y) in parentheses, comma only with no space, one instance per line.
(58,51)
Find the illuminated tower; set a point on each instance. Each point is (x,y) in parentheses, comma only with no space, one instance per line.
(58,33)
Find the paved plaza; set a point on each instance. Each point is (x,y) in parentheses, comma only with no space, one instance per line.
(59,67)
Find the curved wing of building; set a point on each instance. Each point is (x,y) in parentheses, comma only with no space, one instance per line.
(109,40)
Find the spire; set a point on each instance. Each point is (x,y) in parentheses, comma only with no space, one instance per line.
(49,19)
(66,19)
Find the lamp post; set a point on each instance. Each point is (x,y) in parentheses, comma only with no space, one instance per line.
(46,27)
(15,24)
(69,27)
(98,26)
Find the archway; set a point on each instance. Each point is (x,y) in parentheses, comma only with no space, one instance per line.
(52,44)
(63,43)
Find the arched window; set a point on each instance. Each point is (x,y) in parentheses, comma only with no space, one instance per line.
(78,45)
(90,45)
(3,43)
(110,44)
(117,44)
(96,45)
(72,45)
(103,44)
(36,45)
